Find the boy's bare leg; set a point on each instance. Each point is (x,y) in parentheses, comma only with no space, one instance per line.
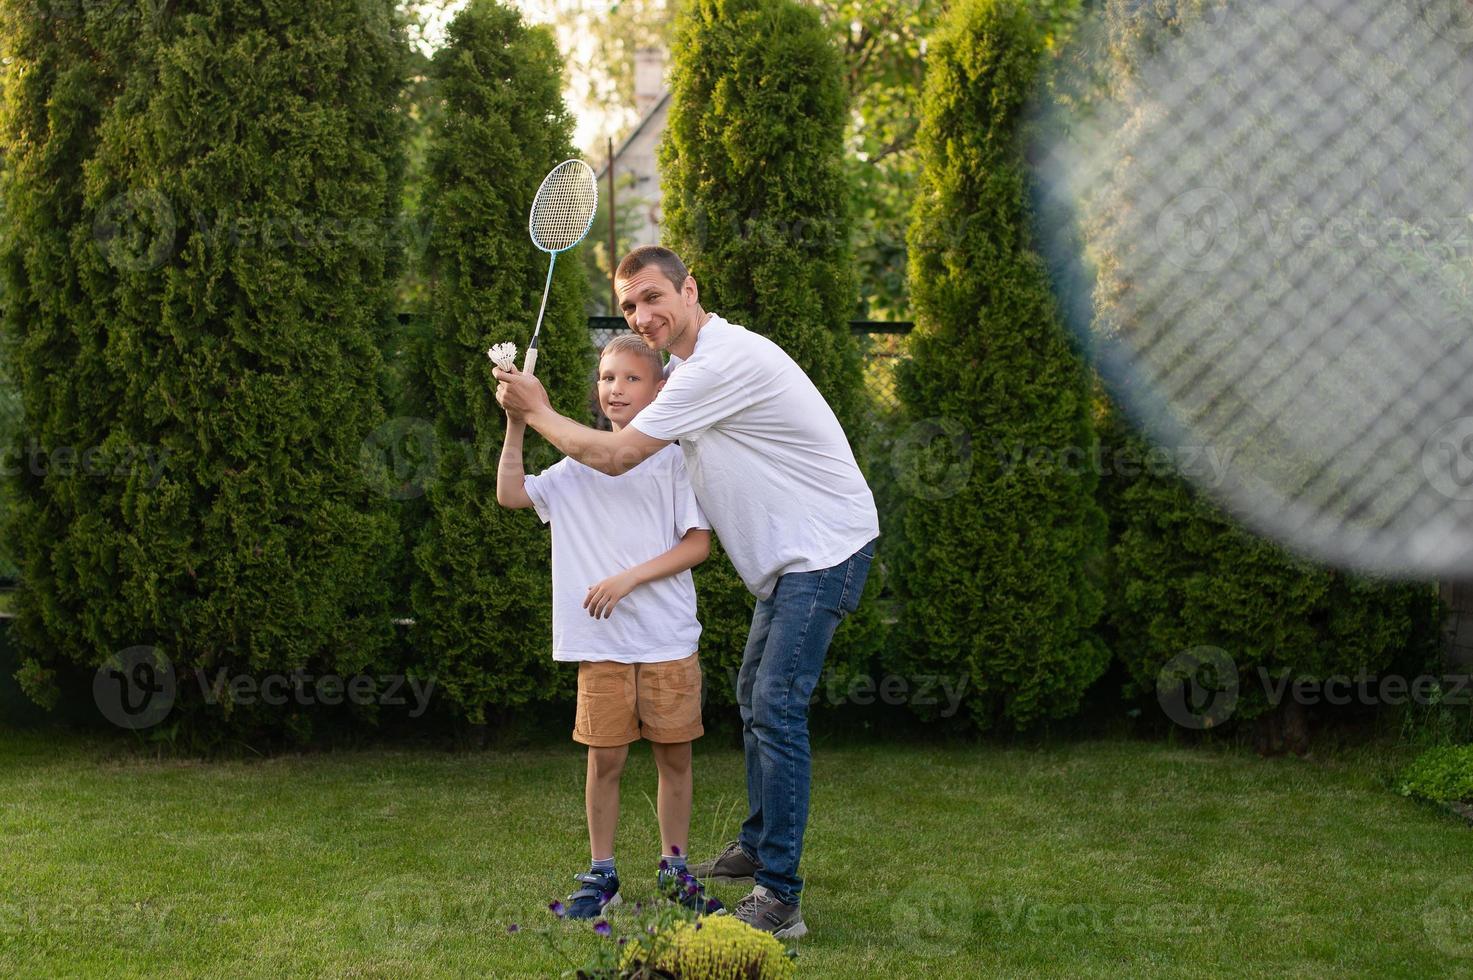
(672,759)
(601,795)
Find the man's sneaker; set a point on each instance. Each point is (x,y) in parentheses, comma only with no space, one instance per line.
(680,886)
(761,910)
(730,865)
(600,891)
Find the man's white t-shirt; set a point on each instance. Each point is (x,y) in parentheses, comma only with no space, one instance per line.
(767,457)
(602,525)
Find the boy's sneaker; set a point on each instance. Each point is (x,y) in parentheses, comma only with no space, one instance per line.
(600,891)
(731,865)
(761,910)
(681,886)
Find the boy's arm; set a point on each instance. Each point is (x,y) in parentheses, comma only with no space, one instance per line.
(690,552)
(511,477)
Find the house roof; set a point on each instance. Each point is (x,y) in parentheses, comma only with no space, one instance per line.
(654,111)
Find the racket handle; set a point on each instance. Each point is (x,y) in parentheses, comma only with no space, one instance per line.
(529,362)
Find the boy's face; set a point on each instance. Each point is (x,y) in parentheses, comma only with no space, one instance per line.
(626,384)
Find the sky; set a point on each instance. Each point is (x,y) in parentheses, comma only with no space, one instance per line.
(591,126)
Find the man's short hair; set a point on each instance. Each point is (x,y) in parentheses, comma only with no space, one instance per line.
(628,343)
(657,255)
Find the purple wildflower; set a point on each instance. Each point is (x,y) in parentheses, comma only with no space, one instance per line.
(623,940)
(664,865)
(698,925)
(602,927)
(513,928)
(712,905)
(675,850)
(692,888)
(556,908)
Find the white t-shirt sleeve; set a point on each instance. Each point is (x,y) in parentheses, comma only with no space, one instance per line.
(546,488)
(688,513)
(693,399)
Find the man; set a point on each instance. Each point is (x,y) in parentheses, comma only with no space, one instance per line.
(776,477)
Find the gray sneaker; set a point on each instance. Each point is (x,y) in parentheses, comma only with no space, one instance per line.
(731,864)
(763,911)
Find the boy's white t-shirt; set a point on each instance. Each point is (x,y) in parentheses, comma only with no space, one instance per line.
(769,461)
(602,525)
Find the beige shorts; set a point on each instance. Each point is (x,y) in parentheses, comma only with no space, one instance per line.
(622,703)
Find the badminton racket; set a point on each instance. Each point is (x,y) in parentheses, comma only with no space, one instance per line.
(1263,232)
(562,213)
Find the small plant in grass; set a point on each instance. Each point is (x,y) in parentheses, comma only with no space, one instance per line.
(666,940)
(1443,774)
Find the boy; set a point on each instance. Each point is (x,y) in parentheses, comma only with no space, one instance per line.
(624,608)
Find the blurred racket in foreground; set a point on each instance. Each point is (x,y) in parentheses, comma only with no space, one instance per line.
(562,213)
(1264,230)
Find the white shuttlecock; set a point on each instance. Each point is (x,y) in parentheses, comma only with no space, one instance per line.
(505,355)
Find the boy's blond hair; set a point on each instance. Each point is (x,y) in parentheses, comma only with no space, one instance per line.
(628,343)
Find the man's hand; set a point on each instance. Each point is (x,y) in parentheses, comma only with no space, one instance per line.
(603,597)
(518,394)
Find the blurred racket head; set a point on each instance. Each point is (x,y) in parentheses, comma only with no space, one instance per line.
(562,211)
(1263,232)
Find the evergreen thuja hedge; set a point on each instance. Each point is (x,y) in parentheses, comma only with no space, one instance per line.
(482,593)
(997,570)
(756,203)
(60,75)
(233,252)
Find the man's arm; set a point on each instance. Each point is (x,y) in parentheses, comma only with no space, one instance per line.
(511,476)
(613,453)
(693,549)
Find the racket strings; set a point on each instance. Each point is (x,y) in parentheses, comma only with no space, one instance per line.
(1328,359)
(564,207)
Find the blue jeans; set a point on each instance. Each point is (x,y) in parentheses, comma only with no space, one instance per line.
(786,647)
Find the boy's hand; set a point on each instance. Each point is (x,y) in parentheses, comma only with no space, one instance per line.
(519,394)
(603,597)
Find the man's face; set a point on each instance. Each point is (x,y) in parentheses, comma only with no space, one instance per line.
(654,308)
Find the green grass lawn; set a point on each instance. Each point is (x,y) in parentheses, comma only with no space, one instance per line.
(1088,859)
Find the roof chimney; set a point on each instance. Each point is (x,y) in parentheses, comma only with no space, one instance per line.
(649,79)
